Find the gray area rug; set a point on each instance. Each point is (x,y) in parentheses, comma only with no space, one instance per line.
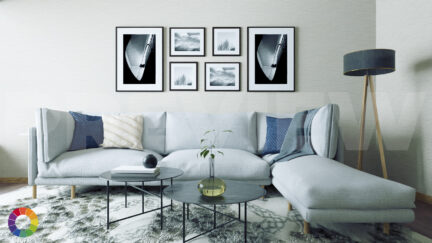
(84,220)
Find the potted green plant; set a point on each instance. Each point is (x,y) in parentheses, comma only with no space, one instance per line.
(211,186)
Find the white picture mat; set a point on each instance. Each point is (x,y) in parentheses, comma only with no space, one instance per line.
(184,31)
(236,87)
(235,32)
(251,61)
(173,74)
(158,86)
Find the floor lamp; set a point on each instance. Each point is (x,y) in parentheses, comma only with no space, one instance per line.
(368,63)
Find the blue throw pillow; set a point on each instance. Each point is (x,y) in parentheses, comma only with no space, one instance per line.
(276,131)
(88,131)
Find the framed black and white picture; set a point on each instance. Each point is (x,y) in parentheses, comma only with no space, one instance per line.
(271,59)
(139,59)
(222,76)
(226,41)
(183,76)
(187,41)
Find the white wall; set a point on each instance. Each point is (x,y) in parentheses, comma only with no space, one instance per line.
(61,54)
(405,100)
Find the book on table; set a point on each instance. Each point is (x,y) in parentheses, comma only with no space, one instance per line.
(135,171)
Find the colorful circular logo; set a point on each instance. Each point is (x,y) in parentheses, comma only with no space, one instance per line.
(23,212)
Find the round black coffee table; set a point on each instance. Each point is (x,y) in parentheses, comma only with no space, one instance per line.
(165,174)
(235,193)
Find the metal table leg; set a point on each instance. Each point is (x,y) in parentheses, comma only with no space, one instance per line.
(142,197)
(239,212)
(125,192)
(245,221)
(108,191)
(184,224)
(214,216)
(171,199)
(161,203)
(187,211)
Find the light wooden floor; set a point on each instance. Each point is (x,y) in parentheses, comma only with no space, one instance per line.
(422,223)
(10,187)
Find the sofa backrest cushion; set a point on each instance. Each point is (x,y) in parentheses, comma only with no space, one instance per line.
(154,131)
(153,137)
(184,130)
(262,127)
(54,131)
(88,132)
(325,131)
(122,131)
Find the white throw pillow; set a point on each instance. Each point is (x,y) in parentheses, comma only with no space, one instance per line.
(122,131)
(325,131)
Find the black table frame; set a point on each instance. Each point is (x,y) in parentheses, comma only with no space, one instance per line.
(215,226)
(143,191)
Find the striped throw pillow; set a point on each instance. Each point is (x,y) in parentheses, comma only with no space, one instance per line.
(122,131)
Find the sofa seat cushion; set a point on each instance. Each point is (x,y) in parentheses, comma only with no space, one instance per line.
(92,162)
(234,164)
(269,157)
(322,183)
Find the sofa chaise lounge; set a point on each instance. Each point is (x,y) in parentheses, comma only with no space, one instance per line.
(322,189)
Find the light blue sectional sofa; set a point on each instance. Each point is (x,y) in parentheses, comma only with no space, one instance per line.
(322,189)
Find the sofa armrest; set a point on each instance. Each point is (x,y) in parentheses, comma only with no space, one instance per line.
(32,156)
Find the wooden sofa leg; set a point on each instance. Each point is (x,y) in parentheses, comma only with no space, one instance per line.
(72,192)
(386,228)
(263,187)
(306,229)
(34,191)
(289,206)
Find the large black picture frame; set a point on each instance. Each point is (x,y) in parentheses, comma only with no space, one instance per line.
(124,74)
(282,71)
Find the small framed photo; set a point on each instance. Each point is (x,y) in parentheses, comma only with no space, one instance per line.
(187,41)
(226,41)
(271,59)
(183,76)
(222,76)
(139,59)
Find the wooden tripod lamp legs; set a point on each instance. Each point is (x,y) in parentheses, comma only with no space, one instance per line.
(362,125)
(378,130)
(369,82)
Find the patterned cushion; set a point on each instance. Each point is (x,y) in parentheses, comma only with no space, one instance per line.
(276,131)
(88,132)
(123,131)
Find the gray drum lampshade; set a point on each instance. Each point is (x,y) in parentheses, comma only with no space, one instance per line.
(369,62)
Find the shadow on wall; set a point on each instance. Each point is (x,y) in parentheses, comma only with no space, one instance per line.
(415,155)
(371,159)
(407,165)
(402,166)
(421,66)
(422,71)
(371,163)
(9,165)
